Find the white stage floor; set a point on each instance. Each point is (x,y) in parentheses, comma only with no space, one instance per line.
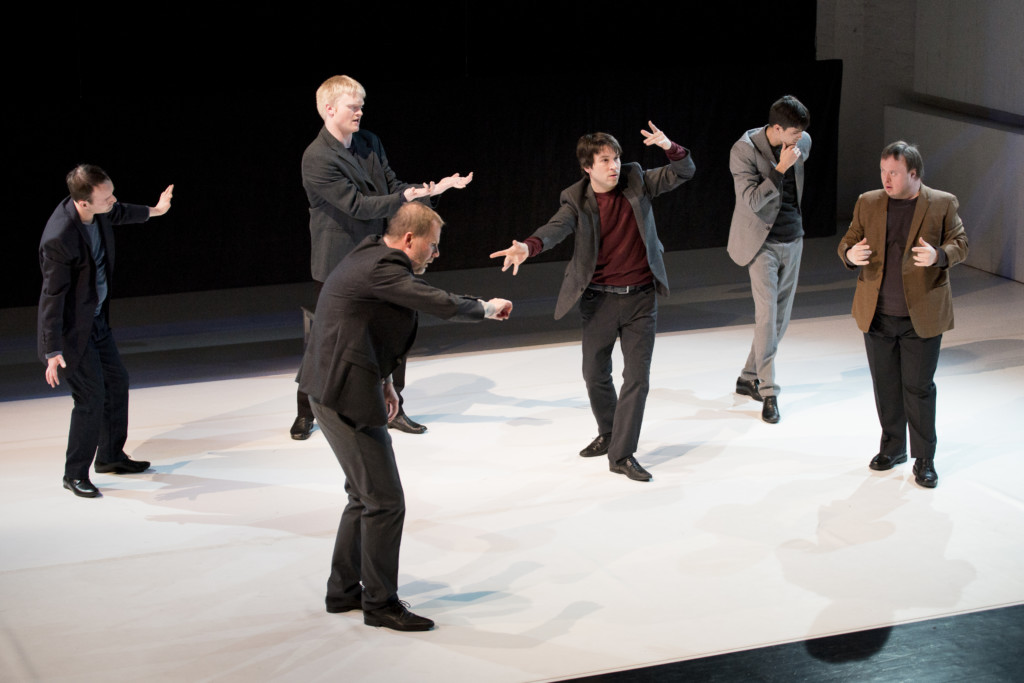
(536,564)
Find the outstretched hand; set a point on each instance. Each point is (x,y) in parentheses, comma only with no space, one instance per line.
(163,205)
(433,189)
(656,137)
(498,309)
(514,256)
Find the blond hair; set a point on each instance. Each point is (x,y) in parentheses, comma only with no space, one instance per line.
(333,88)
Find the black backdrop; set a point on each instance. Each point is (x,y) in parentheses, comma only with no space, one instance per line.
(220,101)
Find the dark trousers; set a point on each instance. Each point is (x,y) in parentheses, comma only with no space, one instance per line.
(633,319)
(902,371)
(302,400)
(99,419)
(370,530)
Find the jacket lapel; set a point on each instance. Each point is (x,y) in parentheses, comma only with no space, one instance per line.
(346,156)
(920,210)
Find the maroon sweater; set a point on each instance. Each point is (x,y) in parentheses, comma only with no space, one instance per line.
(622,257)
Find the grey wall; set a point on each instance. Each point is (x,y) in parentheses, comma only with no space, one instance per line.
(949,76)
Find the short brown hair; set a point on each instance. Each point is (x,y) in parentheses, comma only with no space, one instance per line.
(413,217)
(908,152)
(591,144)
(83,178)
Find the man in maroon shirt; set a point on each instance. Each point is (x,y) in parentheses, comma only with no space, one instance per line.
(615,272)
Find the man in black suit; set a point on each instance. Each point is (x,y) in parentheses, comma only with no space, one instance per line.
(352,191)
(365,325)
(76,256)
(616,270)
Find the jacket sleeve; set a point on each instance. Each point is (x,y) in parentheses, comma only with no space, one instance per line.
(664,178)
(392,282)
(854,234)
(562,224)
(751,187)
(57,263)
(954,237)
(123,214)
(327,182)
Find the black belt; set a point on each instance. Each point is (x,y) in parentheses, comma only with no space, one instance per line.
(628,289)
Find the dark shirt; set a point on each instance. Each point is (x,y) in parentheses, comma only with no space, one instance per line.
(891,298)
(622,256)
(788,225)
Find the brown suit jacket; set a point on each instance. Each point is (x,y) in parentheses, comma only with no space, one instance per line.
(929,298)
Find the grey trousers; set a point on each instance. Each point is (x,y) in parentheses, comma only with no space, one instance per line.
(773,275)
(370,530)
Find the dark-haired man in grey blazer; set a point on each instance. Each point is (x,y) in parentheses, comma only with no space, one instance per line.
(766,236)
(616,272)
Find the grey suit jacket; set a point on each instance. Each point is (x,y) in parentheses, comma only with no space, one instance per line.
(365,325)
(346,203)
(757,197)
(578,213)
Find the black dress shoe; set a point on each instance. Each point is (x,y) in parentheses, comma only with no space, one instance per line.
(403,424)
(598,446)
(924,472)
(81,487)
(126,466)
(884,461)
(302,428)
(748,387)
(395,615)
(770,410)
(339,606)
(631,468)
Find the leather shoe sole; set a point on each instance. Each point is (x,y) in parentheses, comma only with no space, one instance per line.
(122,467)
(631,468)
(883,461)
(748,387)
(82,488)
(598,446)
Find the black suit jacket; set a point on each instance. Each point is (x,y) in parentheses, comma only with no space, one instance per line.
(366,320)
(346,203)
(578,213)
(67,303)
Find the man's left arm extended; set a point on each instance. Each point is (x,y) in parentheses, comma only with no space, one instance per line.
(679,169)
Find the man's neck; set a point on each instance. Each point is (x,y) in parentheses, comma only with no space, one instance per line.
(343,139)
(769,131)
(84,215)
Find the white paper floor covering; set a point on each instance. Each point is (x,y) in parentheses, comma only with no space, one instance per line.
(536,564)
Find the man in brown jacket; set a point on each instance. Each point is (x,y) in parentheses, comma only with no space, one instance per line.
(905,238)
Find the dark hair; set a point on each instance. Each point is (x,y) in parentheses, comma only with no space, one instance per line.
(789,112)
(413,217)
(83,178)
(591,144)
(908,152)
